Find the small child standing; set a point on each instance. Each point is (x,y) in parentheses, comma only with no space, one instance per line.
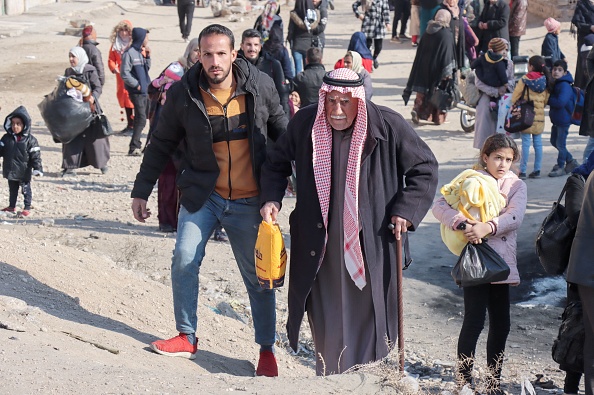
(562,103)
(22,157)
(550,46)
(491,68)
(538,82)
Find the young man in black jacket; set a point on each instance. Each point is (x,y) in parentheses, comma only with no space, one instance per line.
(251,49)
(222,112)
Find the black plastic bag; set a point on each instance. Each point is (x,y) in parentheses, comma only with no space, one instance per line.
(64,116)
(479,264)
(568,347)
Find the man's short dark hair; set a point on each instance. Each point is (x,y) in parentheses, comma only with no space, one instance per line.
(214,29)
(250,33)
(314,55)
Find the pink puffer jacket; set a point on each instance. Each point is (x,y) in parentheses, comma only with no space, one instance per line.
(509,220)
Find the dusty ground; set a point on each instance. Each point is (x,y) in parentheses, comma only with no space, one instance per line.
(84,288)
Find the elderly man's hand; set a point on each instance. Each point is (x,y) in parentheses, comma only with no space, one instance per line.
(269,211)
(400,225)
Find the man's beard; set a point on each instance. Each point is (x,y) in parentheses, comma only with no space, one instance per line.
(218,80)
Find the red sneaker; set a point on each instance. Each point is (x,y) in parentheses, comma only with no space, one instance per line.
(177,346)
(25,213)
(9,209)
(267,365)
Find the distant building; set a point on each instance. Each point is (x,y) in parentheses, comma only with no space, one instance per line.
(562,10)
(15,7)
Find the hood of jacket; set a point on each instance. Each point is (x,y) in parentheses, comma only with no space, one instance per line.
(537,85)
(138,36)
(20,112)
(566,78)
(435,26)
(93,42)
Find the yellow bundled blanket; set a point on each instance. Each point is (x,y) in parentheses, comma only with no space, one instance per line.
(271,256)
(475,195)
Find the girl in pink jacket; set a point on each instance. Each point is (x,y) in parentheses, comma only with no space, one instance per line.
(496,157)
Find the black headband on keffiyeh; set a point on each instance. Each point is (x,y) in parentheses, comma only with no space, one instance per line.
(345,81)
(342,82)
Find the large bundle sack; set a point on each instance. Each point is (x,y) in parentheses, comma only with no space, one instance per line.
(65,116)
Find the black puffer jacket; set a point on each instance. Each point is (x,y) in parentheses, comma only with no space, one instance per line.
(23,156)
(580,269)
(95,59)
(308,83)
(184,120)
(273,68)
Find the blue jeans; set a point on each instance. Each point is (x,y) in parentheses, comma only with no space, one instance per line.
(589,149)
(558,140)
(537,144)
(298,59)
(241,219)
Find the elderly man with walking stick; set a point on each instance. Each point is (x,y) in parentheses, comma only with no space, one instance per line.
(360,168)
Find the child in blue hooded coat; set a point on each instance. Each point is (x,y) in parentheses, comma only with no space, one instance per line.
(562,103)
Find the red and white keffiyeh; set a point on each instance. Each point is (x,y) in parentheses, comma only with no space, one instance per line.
(322,167)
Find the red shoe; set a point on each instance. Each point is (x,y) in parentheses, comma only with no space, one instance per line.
(267,365)
(9,209)
(177,346)
(25,213)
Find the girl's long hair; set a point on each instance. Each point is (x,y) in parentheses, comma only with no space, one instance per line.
(538,64)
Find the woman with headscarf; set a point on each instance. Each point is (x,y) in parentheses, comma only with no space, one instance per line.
(91,147)
(358,45)
(435,62)
(121,38)
(458,29)
(190,56)
(304,31)
(269,17)
(375,21)
(582,24)
(352,60)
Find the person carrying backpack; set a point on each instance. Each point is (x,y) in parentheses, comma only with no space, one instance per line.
(562,104)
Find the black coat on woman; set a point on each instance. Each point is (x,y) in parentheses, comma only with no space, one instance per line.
(581,24)
(392,154)
(496,16)
(435,60)
(300,38)
(457,29)
(587,125)
(91,147)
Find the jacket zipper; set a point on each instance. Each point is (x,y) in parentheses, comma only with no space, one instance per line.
(228,150)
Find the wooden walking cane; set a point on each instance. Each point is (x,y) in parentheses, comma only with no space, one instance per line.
(399,287)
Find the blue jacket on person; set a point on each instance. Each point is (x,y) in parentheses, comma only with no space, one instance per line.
(135,66)
(562,101)
(550,48)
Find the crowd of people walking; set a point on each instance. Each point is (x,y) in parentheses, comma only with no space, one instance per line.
(232,125)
